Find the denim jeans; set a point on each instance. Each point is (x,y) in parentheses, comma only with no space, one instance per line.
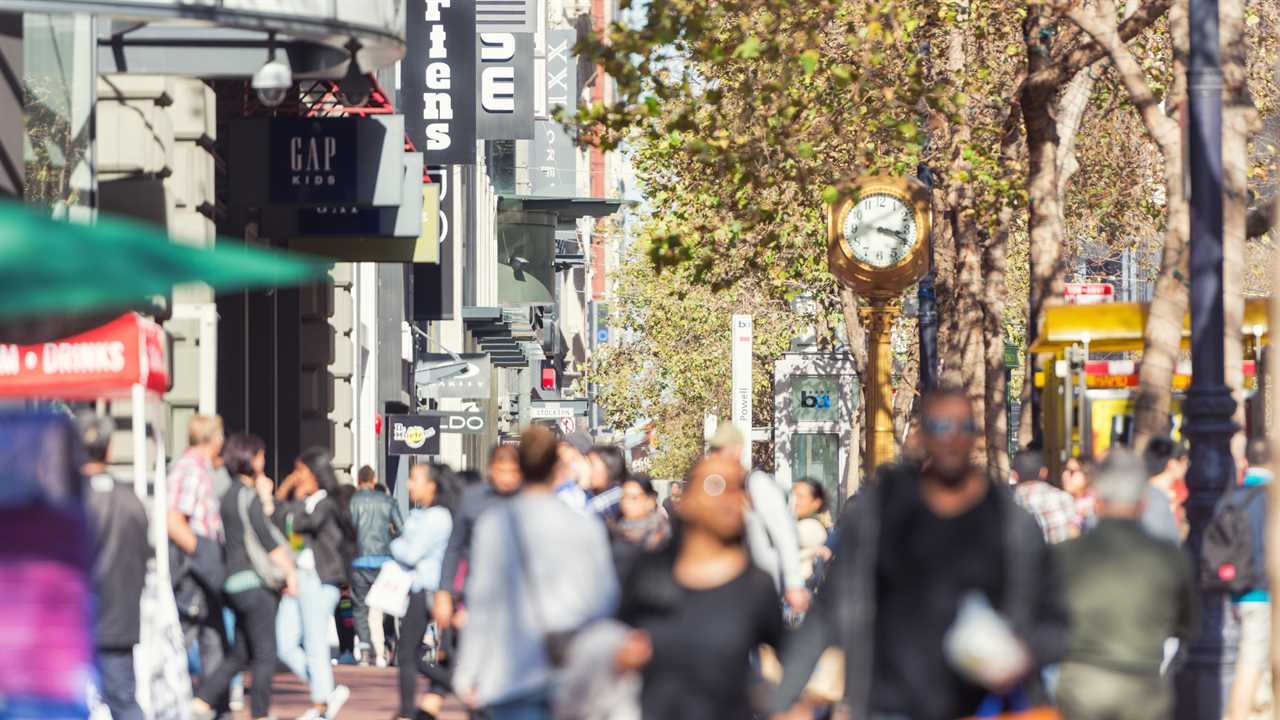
(532,707)
(119,690)
(302,633)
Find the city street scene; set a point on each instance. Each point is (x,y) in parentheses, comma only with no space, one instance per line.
(639,359)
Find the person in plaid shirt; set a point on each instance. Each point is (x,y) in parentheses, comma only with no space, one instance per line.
(195,528)
(1053,508)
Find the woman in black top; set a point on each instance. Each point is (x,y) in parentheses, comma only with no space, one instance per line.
(252,601)
(701,608)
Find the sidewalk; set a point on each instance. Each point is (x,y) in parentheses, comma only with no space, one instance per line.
(374,696)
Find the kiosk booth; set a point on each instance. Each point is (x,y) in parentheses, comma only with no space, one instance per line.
(125,358)
(815,398)
(1087,397)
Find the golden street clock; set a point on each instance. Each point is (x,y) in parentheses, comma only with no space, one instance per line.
(879,236)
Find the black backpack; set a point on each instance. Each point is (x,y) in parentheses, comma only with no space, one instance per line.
(1229,562)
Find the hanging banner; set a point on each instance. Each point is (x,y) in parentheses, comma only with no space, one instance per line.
(438,80)
(554,162)
(504,105)
(105,361)
(741,397)
(413,435)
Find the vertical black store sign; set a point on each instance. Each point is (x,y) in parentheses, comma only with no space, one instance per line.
(438,80)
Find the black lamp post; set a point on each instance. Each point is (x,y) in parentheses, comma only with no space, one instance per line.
(927,312)
(1209,405)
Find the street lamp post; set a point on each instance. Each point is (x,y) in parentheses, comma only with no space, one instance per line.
(927,314)
(1209,405)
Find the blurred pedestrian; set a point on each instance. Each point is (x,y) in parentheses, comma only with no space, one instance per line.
(320,515)
(539,572)
(675,489)
(252,543)
(1054,509)
(608,470)
(915,548)
(420,549)
(504,482)
(701,610)
(377,519)
(1075,481)
(1252,607)
(770,528)
(813,525)
(573,472)
(640,527)
(195,529)
(118,523)
(1166,463)
(1127,592)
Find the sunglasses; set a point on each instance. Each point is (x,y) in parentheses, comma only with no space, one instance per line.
(942,426)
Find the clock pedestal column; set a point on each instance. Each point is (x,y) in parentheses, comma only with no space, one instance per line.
(878,320)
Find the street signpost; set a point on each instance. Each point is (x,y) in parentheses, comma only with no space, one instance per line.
(1088,293)
(550,412)
(742,328)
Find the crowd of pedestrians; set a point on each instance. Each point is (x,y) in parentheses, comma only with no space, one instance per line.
(560,584)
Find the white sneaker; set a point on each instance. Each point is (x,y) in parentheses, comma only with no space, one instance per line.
(336,700)
(381,661)
(312,714)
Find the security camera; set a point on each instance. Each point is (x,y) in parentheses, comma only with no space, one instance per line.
(272,82)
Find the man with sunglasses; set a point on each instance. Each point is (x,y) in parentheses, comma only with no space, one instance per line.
(919,541)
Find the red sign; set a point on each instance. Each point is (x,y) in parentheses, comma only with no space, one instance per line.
(105,361)
(1088,293)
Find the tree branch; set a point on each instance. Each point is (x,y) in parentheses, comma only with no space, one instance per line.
(1080,56)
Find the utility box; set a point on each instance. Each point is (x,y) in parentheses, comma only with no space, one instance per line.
(816,398)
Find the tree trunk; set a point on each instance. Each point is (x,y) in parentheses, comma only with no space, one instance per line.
(1163,335)
(1044,213)
(1238,115)
(995,401)
(1273,507)
(857,337)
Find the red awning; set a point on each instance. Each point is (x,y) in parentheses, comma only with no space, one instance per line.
(106,361)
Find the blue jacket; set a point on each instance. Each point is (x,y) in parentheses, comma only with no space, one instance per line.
(420,548)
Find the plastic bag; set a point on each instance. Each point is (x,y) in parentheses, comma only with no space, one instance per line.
(981,646)
(390,591)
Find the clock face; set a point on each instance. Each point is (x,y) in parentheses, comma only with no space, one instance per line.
(880,230)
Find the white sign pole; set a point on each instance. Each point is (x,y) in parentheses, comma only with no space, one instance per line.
(741,413)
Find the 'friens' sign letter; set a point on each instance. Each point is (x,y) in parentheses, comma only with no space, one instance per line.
(437,80)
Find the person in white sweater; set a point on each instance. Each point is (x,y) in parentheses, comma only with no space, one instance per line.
(538,569)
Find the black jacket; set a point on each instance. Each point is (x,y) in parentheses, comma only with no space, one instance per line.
(329,534)
(844,613)
(119,523)
(377,519)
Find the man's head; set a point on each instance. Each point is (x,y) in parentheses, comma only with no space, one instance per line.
(1028,465)
(204,432)
(949,432)
(727,442)
(1120,483)
(1258,454)
(1165,457)
(715,498)
(539,455)
(504,469)
(95,432)
(366,478)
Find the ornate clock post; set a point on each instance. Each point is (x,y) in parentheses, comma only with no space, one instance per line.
(878,247)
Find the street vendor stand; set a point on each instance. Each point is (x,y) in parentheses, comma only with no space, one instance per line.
(125,358)
(1087,395)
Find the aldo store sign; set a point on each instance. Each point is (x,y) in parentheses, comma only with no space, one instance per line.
(504,105)
(438,80)
(312,160)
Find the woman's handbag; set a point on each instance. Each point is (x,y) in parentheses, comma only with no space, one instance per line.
(273,578)
(390,590)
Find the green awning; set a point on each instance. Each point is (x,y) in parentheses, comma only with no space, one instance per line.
(51,267)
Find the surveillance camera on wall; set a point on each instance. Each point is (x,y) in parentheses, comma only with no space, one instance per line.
(272,82)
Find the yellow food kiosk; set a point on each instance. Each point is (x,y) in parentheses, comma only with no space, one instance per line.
(1087,381)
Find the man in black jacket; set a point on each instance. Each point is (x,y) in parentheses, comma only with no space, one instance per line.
(119,524)
(915,544)
(377,519)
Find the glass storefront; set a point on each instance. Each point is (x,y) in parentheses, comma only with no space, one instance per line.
(817,456)
(59,84)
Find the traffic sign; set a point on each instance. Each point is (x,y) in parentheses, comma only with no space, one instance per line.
(550,412)
(1088,293)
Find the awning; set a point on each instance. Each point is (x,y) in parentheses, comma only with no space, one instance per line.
(568,209)
(107,361)
(1118,327)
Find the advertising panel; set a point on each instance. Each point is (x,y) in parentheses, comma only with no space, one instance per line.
(438,80)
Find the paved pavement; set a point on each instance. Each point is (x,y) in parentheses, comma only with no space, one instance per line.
(374,696)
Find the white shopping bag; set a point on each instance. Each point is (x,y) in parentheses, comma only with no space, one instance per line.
(390,591)
(160,659)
